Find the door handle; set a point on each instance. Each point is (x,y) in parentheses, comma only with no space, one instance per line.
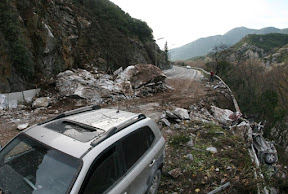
(152,163)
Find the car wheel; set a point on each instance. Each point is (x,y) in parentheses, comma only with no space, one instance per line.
(270,158)
(154,183)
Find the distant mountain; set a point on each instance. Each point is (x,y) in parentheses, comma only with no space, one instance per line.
(203,46)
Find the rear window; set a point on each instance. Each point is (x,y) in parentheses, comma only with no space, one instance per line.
(26,166)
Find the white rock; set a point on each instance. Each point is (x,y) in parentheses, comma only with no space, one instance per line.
(165,121)
(181,113)
(118,71)
(41,102)
(212,149)
(22,126)
(222,115)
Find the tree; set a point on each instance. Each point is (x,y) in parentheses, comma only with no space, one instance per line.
(166,52)
(218,55)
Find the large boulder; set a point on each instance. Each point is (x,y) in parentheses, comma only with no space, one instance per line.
(83,84)
(142,74)
(41,102)
(181,113)
(244,131)
(140,80)
(222,115)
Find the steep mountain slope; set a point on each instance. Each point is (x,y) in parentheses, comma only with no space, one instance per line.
(39,39)
(268,48)
(203,46)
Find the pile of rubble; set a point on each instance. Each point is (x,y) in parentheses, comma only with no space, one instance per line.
(200,113)
(251,132)
(135,81)
(187,126)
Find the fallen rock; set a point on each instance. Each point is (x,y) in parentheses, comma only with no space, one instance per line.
(118,71)
(181,113)
(189,156)
(124,87)
(22,126)
(244,131)
(142,74)
(165,122)
(212,149)
(170,115)
(200,113)
(80,83)
(190,143)
(41,102)
(175,173)
(96,87)
(140,80)
(222,115)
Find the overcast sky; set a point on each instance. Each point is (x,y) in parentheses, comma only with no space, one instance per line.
(182,21)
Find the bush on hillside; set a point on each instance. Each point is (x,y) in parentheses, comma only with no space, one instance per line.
(10,26)
(110,13)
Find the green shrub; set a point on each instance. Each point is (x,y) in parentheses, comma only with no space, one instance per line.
(110,13)
(10,26)
(179,140)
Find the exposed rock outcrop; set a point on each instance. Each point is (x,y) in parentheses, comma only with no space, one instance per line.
(58,35)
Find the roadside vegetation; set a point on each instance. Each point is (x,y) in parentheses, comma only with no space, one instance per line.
(261,91)
(202,171)
(261,88)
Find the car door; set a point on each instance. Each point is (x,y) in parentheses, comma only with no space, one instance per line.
(106,172)
(139,159)
(124,167)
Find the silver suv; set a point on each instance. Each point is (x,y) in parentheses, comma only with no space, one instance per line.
(87,150)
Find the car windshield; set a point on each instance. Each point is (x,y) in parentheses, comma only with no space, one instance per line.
(27,166)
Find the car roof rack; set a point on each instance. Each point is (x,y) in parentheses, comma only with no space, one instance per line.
(72,112)
(114,130)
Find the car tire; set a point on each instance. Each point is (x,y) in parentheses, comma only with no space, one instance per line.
(153,187)
(270,158)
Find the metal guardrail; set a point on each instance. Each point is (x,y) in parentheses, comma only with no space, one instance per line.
(231,93)
(251,150)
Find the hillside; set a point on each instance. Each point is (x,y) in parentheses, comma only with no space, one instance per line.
(203,46)
(39,39)
(256,71)
(267,42)
(269,49)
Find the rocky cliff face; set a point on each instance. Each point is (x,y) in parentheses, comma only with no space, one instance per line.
(39,39)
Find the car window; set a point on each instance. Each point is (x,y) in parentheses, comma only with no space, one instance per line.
(27,166)
(136,144)
(106,171)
